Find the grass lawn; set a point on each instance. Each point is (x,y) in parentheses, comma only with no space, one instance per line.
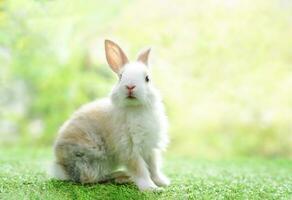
(23,176)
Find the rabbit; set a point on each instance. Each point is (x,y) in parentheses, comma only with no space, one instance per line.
(127,130)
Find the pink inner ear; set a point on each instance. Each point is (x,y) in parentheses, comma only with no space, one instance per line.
(115,56)
(144,56)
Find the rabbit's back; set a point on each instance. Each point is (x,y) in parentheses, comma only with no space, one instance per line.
(86,123)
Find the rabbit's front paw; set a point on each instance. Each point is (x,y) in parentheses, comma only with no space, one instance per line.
(161,180)
(144,185)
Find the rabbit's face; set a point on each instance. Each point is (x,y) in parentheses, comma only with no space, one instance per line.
(135,86)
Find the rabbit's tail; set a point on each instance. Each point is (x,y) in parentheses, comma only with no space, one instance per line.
(56,171)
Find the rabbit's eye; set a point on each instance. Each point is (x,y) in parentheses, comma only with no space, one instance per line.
(147,79)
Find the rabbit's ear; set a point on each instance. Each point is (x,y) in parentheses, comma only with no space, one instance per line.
(115,56)
(143,56)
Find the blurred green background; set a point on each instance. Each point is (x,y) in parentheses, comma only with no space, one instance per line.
(224,68)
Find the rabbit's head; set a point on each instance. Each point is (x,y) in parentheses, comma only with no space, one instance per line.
(134,87)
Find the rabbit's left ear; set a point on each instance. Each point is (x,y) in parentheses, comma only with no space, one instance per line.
(144,56)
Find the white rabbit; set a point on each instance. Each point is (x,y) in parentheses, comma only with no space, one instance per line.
(128,129)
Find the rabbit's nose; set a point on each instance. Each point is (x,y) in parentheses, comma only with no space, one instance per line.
(130,87)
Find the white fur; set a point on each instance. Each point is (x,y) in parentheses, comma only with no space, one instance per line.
(57,172)
(134,130)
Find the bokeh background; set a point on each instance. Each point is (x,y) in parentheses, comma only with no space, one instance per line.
(224,68)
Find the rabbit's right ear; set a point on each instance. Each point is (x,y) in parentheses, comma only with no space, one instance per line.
(115,56)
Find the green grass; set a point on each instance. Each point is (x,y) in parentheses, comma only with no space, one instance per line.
(23,176)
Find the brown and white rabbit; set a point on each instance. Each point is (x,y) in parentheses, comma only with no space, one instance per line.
(128,129)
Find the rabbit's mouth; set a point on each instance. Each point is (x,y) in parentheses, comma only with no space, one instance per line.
(131,97)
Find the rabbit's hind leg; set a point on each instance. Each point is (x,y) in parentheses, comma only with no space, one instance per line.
(119,177)
(84,164)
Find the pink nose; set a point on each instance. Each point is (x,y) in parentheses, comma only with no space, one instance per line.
(130,87)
